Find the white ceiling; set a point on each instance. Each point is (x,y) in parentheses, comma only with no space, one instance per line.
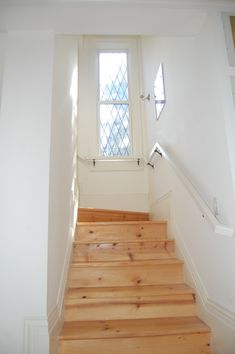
(121,17)
(143,2)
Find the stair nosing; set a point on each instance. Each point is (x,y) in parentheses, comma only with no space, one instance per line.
(108,223)
(159,240)
(151,262)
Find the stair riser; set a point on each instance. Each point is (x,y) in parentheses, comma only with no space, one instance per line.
(123,251)
(128,311)
(121,232)
(126,275)
(99,215)
(174,344)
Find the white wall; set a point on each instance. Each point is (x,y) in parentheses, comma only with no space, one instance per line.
(63,159)
(192,126)
(113,189)
(24,187)
(193,129)
(2,59)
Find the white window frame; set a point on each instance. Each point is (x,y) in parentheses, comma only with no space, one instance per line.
(89,84)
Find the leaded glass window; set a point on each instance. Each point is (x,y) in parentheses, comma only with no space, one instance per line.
(114,116)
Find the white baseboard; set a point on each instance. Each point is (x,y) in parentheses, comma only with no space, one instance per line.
(56,313)
(36,336)
(164,207)
(209,305)
(53,318)
(221,313)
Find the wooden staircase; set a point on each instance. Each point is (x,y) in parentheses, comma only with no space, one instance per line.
(126,290)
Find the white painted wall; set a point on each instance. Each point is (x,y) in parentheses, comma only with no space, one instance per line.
(63,165)
(192,126)
(193,129)
(24,187)
(113,189)
(2,59)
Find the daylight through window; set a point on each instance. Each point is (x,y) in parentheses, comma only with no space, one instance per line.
(114,117)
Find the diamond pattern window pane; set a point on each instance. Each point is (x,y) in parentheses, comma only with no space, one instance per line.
(114,130)
(113,76)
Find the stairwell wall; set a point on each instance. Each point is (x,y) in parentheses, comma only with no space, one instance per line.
(192,126)
(24,186)
(2,59)
(63,198)
(193,129)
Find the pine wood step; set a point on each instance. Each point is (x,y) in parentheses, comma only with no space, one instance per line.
(196,343)
(121,231)
(123,250)
(125,273)
(99,215)
(127,291)
(182,335)
(129,303)
(132,328)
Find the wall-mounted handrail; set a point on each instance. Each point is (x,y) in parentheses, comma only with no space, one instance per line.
(152,155)
(218,227)
(94,160)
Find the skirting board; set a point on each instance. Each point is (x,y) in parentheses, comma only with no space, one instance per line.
(221,313)
(56,313)
(210,306)
(36,336)
(213,308)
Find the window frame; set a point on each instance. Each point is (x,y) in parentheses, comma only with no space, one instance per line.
(120,102)
(88,145)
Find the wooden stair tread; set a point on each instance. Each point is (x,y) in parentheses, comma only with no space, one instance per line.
(138,263)
(128,291)
(132,328)
(176,293)
(130,303)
